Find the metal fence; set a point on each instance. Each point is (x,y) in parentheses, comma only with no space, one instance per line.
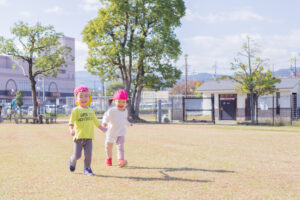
(198,109)
(278,110)
(273,109)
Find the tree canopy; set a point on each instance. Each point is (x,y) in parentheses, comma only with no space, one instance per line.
(251,75)
(134,40)
(37,51)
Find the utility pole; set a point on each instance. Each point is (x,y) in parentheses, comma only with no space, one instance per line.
(43,89)
(251,89)
(185,56)
(215,69)
(295,67)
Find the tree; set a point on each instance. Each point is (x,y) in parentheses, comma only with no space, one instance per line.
(135,40)
(251,77)
(37,51)
(19,100)
(196,93)
(113,87)
(179,88)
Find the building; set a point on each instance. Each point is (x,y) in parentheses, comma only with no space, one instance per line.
(231,106)
(48,88)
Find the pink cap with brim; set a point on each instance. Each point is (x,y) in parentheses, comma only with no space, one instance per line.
(121,94)
(80,89)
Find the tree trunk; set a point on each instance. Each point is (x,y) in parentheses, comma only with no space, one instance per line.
(33,92)
(256,109)
(252,109)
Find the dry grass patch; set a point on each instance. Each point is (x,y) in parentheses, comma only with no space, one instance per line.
(165,162)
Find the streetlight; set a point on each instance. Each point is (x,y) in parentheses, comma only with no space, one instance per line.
(295,64)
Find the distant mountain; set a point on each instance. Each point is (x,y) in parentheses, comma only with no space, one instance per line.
(200,77)
(285,72)
(89,80)
(93,82)
(206,76)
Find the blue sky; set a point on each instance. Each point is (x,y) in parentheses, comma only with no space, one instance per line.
(212,31)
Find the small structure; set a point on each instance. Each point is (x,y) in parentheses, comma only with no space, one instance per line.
(283,105)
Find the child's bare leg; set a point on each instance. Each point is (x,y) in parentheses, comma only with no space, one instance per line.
(120,147)
(108,149)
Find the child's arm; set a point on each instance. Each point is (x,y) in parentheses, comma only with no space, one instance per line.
(102,128)
(97,123)
(127,121)
(105,120)
(71,128)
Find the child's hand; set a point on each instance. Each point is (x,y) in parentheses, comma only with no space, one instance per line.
(102,128)
(72,132)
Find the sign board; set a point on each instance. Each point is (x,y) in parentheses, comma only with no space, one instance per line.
(228,98)
(56,94)
(39,101)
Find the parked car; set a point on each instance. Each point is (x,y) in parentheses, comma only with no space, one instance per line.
(23,110)
(30,110)
(51,109)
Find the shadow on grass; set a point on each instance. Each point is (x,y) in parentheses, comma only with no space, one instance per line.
(181,169)
(165,177)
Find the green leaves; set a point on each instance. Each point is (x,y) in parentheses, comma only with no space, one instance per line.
(19,98)
(135,37)
(37,45)
(250,74)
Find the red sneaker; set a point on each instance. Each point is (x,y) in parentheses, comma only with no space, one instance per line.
(122,163)
(108,161)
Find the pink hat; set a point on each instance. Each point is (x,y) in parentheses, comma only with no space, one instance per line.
(80,89)
(121,94)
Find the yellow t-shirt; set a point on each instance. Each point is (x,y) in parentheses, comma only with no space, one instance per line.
(83,120)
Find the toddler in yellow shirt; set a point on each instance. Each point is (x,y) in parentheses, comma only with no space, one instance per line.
(81,125)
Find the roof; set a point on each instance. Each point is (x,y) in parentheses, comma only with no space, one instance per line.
(228,85)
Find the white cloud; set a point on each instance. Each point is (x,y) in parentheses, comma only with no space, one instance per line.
(228,16)
(90,5)
(81,54)
(25,14)
(56,9)
(3,2)
(204,51)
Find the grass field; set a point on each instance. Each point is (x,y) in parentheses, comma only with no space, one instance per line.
(165,162)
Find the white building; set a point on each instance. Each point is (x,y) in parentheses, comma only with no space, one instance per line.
(229,105)
(48,88)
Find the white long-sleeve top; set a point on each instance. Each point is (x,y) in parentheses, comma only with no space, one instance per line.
(116,121)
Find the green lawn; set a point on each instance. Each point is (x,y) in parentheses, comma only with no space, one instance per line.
(179,161)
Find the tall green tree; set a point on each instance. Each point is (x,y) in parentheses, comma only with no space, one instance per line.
(135,40)
(19,100)
(113,87)
(37,51)
(251,76)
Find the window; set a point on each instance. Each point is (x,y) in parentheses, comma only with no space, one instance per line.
(277,103)
(62,71)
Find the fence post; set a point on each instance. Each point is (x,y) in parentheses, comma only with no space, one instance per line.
(172,107)
(183,108)
(213,108)
(159,111)
(273,113)
(291,105)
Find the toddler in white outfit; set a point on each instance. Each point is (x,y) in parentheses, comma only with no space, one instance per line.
(115,119)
